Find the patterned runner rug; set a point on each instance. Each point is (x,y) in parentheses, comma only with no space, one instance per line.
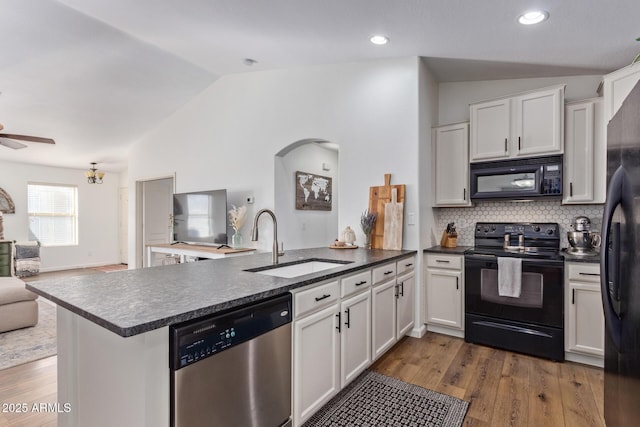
(374,399)
(29,344)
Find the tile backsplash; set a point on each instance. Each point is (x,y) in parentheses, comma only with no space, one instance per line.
(543,211)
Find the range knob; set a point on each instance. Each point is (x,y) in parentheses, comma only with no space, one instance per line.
(550,231)
(536,228)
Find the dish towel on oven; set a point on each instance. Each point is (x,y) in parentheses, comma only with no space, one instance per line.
(509,277)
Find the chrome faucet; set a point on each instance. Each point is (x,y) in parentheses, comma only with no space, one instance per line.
(254,234)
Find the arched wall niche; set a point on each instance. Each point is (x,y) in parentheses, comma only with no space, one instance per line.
(299,229)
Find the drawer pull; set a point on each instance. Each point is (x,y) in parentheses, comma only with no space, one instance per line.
(323,297)
(408,265)
(361,283)
(388,272)
(445,261)
(589,274)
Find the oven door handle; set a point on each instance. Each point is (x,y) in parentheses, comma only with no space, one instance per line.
(616,195)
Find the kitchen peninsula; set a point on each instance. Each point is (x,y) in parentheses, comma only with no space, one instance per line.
(113,338)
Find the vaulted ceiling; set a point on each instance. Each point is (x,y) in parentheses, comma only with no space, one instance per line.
(97,75)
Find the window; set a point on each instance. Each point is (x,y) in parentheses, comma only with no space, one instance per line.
(53,214)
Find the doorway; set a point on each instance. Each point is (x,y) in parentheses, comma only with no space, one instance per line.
(154,210)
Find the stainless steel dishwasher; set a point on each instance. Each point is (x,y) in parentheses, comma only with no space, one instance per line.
(234,368)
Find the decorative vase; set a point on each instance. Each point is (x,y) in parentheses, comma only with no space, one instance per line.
(236,240)
(367,240)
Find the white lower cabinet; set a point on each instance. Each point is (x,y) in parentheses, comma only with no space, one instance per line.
(404,305)
(444,297)
(316,347)
(444,282)
(341,326)
(383,302)
(584,321)
(355,336)
(316,361)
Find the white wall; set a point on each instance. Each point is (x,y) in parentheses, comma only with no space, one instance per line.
(305,228)
(228,136)
(97,215)
(454,98)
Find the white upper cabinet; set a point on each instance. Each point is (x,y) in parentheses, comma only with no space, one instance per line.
(539,122)
(617,86)
(585,157)
(451,165)
(490,129)
(525,125)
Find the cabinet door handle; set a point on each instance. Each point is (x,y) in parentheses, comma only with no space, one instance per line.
(361,283)
(589,274)
(446,261)
(339,316)
(325,296)
(457,283)
(397,291)
(505,145)
(388,272)
(519,146)
(571,189)
(464,194)
(573,296)
(401,289)
(347,322)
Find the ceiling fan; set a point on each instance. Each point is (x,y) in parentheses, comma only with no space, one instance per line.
(6,139)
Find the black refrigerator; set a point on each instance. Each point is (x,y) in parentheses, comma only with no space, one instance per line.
(620,266)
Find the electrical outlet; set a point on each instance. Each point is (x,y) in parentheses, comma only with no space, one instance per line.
(411,218)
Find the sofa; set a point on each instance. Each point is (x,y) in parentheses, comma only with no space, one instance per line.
(18,306)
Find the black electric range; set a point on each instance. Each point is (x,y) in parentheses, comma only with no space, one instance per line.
(533,322)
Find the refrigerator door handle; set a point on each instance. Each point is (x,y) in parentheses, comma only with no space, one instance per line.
(615,197)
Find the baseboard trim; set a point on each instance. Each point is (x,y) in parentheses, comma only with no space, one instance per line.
(445,331)
(418,331)
(584,359)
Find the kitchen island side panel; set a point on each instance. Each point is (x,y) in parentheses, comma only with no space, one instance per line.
(109,380)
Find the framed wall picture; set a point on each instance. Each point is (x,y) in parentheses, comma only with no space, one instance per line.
(313,192)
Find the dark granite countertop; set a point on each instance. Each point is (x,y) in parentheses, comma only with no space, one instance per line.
(132,302)
(458,250)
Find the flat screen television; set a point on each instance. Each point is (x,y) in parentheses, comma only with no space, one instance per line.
(200,217)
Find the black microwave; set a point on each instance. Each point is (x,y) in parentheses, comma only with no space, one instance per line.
(518,179)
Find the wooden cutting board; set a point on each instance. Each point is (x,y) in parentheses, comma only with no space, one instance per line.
(378,197)
(393,220)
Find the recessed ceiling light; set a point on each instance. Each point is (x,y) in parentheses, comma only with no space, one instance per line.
(533,17)
(379,39)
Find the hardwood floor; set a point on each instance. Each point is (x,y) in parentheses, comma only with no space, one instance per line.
(22,387)
(504,388)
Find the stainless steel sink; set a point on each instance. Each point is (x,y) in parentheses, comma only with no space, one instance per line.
(298,268)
